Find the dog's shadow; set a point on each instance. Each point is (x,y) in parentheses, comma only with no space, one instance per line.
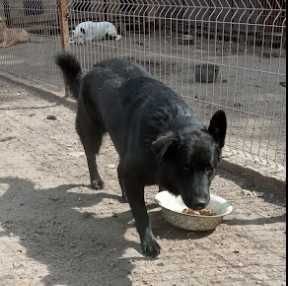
(78,247)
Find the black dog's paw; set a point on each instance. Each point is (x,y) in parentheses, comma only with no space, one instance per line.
(124,199)
(97,184)
(150,247)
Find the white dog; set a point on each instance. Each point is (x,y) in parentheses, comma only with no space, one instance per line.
(94,31)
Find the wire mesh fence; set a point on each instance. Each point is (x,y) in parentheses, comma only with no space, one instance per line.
(215,53)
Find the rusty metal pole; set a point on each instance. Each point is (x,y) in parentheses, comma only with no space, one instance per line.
(63,16)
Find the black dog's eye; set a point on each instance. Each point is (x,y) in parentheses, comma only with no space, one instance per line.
(186,168)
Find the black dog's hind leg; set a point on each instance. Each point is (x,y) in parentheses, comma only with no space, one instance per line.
(135,195)
(122,186)
(91,135)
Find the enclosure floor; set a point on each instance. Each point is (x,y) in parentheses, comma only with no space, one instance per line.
(56,231)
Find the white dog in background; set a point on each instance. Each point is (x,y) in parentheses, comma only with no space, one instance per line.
(94,31)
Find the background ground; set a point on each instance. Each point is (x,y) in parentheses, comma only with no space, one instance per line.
(54,230)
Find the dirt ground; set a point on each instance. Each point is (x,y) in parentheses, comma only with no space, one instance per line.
(54,230)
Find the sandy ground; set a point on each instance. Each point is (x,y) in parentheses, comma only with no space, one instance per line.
(54,230)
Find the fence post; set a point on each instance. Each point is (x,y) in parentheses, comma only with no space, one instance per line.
(63,15)
(63,19)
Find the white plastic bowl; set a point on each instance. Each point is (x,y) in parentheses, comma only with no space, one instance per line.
(172,210)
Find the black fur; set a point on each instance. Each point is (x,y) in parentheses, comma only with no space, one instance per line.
(71,72)
(110,37)
(158,138)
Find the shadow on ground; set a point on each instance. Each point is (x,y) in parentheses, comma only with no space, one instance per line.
(78,248)
(269,189)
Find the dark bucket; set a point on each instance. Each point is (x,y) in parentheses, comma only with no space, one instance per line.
(206,73)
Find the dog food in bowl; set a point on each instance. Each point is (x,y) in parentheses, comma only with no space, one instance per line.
(203,212)
(175,212)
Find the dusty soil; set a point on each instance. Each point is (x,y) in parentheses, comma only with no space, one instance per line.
(54,230)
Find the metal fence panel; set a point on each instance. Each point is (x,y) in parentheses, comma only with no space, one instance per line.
(241,45)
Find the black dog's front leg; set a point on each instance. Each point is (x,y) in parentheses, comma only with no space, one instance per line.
(135,195)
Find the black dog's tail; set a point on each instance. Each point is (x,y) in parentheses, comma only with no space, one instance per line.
(71,70)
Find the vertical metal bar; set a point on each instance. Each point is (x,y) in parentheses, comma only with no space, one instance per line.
(7,13)
(63,15)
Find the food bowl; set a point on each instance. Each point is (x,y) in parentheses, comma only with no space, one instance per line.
(173,207)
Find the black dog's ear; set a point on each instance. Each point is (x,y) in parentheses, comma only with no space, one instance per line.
(161,145)
(82,30)
(218,127)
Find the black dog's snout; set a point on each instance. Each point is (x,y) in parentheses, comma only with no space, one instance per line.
(200,205)
(197,204)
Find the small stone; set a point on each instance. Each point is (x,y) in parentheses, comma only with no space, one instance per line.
(5,139)
(51,117)
(160,264)
(236,251)
(54,199)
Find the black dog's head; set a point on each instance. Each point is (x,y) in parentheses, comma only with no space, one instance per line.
(189,158)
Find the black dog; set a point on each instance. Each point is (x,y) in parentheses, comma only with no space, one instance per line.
(158,138)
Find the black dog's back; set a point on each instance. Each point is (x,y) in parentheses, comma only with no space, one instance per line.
(122,68)
(130,101)
(101,94)
(152,109)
